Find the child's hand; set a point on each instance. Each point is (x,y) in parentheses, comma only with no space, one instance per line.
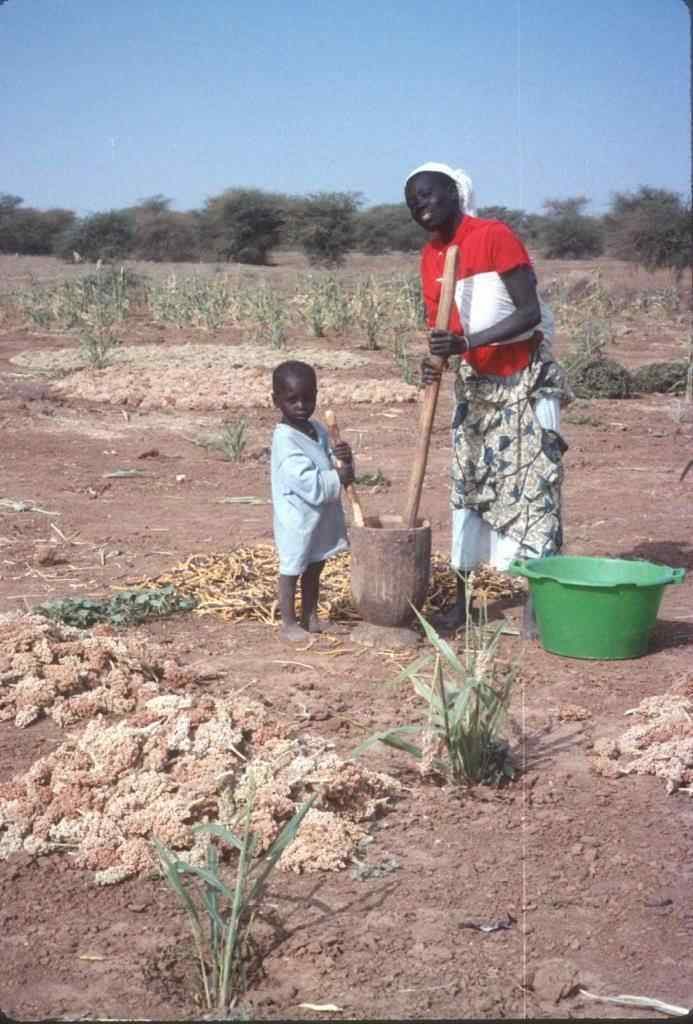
(346,474)
(342,451)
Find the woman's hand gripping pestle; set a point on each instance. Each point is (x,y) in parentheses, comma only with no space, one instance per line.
(333,429)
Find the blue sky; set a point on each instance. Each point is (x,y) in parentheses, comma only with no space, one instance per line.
(106,102)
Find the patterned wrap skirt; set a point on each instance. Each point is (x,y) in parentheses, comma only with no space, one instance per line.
(507,466)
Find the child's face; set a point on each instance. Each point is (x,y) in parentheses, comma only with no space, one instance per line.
(296,400)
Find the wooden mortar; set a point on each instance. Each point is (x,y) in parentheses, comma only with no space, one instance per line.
(390,569)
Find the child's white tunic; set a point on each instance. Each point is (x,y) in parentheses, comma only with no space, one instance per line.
(308,517)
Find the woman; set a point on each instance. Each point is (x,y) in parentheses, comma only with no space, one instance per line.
(507,451)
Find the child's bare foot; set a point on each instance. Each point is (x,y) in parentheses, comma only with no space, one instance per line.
(292,632)
(314,625)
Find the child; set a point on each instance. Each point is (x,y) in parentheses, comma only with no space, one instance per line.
(306,494)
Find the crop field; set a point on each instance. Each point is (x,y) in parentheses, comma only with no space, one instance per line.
(195,818)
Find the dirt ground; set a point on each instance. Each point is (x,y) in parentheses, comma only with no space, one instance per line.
(596,873)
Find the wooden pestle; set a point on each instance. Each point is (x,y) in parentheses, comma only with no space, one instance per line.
(333,429)
(430,400)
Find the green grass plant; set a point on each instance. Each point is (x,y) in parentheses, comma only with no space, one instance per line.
(466,695)
(371,310)
(207,303)
(267,311)
(231,441)
(220,914)
(64,306)
(406,298)
(323,304)
(660,301)
(589,340)
(234,439)
(97,339)
(407,366)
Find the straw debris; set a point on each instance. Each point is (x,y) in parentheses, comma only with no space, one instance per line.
(191,356)
(160,386)
(241,585)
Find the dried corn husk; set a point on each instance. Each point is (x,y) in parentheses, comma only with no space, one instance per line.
(241,585)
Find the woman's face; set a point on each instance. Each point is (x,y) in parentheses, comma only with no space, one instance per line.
(432,199)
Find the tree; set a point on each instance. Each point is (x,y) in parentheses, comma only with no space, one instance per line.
(162,234)
(158,203)
(518,220)
(106,236)
(242,225)
(573,206)
(28,231)
(652,227)
(567,233)
(327,228)
(9,202)
(387,228)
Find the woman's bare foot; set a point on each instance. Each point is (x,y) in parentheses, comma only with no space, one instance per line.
(452,619)
(456,616)
(293,632)
(314,625)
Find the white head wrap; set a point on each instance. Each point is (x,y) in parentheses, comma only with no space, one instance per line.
(465,189)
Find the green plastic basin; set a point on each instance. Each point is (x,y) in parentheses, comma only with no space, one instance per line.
(600,608)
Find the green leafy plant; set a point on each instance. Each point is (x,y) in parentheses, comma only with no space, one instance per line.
(467,698)
(407,366)
(663,378)
(323,305)
(377,479)
(407,301)
(106,294)
(589,342)
(231,442)
(98,341)
(267,310)
(126,608)
(194,301)
(220,916)
(371,308)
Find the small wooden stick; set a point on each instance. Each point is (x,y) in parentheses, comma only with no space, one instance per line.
(430,401)
(331,421)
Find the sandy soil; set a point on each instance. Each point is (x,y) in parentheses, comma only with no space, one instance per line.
(595,872)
